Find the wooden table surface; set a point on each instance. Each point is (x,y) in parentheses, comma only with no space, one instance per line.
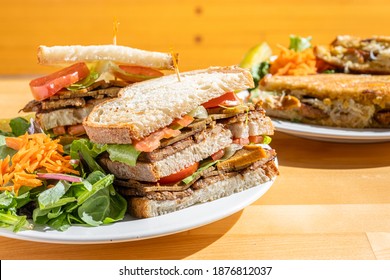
(331,201)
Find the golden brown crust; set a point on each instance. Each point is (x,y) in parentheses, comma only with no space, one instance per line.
(139,207)
(365,89)
(104,135)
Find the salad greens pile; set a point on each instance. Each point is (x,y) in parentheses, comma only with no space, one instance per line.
(89,199)
(259,69)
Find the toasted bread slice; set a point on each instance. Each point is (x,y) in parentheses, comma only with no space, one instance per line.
(59,55)
(357,55)
(145,107)
(342,100)
(212,189)
(366,89)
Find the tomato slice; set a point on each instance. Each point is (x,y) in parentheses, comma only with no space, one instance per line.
(228,99)
(182,122)
(59,130)
(218,154)
(75,130)
(134,74)
(152,142)
(241,141)
(177,177)
(256,139)
(49,85)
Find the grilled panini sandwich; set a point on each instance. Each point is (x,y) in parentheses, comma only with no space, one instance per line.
(191,137)
(352,54)
(92,75)
(341,100)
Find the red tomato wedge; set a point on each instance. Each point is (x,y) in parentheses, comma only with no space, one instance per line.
(228,99)
(182,122)
(218,154)
(134,74)
(176,177)
(77,129)
(256,139)
(241,141)
(49,85)
(152,142)
(59,130)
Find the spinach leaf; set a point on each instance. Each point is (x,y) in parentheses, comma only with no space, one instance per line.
(118,207)
(92,202)
(87,151)
(96,209)
(61,223)
(7,200)
(19,126)
(53,197)
(9,219)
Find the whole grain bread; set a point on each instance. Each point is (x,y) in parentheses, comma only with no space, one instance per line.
(145,107)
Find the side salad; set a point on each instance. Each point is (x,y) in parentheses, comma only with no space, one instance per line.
(296,59)
(43,182)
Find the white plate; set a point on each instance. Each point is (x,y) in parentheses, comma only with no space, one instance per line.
(137,229)
(332,134)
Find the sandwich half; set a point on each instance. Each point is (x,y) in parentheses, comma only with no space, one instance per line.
(88,75)
(351,54)
(340,100)
(193,140)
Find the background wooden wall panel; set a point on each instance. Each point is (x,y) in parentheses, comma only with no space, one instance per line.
(205,33)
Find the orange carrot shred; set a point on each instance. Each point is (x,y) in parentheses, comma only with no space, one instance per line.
(290,62)
(35,151)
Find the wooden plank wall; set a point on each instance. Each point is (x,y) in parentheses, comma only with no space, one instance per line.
(205,33)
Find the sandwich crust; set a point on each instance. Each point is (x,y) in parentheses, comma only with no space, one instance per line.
(365,89)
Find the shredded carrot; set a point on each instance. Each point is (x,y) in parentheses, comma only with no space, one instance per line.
(34,152)
(290,62)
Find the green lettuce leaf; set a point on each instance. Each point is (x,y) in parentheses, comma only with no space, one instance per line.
(123,153)
(204,165)
(88,151)
(86,82)
(299,44)
(258,72)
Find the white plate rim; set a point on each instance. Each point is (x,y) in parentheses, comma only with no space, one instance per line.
(335,134)
(138,229)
